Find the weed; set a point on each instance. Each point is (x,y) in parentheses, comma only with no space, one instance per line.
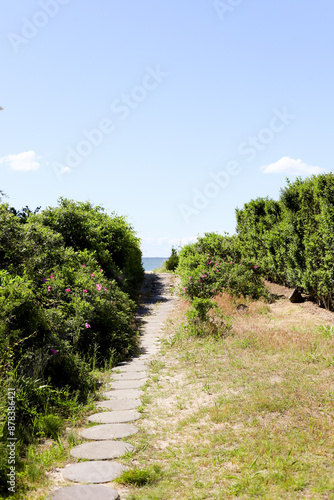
(327,331)
(48,425)
(140,477)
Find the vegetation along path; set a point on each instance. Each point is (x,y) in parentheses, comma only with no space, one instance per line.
(92,476)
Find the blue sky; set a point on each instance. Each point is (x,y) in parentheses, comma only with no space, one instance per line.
(171,113)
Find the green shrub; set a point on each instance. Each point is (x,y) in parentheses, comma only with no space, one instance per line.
(204,274)
(172,262)
(48,426)
(68,277)
(206,318)
(292,238)
(200,309)
(109,237)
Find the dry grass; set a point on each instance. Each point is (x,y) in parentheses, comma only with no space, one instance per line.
(248,415)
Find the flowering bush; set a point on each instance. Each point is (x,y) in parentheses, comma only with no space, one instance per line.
(64,306)
(204,274)
(109,238)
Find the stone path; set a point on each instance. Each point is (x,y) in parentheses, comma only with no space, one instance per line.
(119,409)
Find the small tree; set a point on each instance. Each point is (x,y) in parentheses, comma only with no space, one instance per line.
(173,261)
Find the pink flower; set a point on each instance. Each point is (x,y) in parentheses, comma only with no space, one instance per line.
(99,287)
(101,270)
(106,289)
(67,290)
(231,297)
(83,265)
(87,325)
(254,267)
(190,277)
(184,289)
(92,274)
(84,290)
(201,279)
(51,276)
(213,290)
(54,351)
(49,288)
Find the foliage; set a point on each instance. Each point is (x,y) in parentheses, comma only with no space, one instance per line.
(206,318)
(213,264)
(66,276)
(293,238)
(289,241)
(48,425)
(109,238)
(173,261)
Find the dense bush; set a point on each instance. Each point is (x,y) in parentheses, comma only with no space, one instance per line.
(213,264)
(68,277)
(109,238)
(293,239)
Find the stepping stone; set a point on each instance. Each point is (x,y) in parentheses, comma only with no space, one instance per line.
(128,384)
(149,347)
(134,366)
(128,362)
(129,376)
(139,367)
(149,342)
(86,492)
(119,404)
(151,351)
(109,431)
(115,417)
(123,393)
(132,362)
(93,472)
(101,450)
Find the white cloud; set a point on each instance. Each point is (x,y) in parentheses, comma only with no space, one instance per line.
(22,162)
(287,165)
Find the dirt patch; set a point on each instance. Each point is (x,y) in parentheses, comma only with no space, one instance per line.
(307,308)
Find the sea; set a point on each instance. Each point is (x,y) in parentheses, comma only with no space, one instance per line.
(151,263)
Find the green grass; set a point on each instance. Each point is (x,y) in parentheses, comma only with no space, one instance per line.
(140,477)
(250,415)
(50,449)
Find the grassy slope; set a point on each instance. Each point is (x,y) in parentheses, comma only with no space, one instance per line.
(249,415)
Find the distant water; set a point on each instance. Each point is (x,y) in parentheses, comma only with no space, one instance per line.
(151,263)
